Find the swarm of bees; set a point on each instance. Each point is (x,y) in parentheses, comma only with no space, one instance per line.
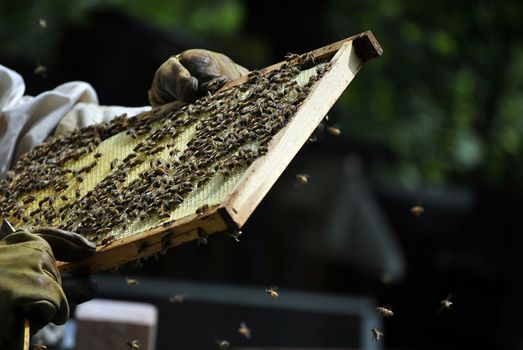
(233,127)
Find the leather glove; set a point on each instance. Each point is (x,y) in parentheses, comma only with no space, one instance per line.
(30,283)
(184,76)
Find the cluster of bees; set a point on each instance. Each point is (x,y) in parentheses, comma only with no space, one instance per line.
(232,128)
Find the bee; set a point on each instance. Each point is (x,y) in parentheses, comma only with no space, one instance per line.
(42,22)
(272,291)
(202,237)
(113,163)
(97,155)
(39,347)
(201,210)
(132,133)
(235,235)
(133,344)
(41,70)
(64,198)
(385,312)
(445,304)
(302,179)
(132,281)
(160,170)
(28,199)
(333,131)
(417,210)
(244,330)
(223,344)
(291,56)
(77,193)
(307,57)
(177,299)
(376,334)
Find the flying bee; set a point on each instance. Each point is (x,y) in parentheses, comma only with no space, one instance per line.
(223,344)
(133,344)
(302,179)
(39,347)
(132,281)
(236,235)
(376,334)
(42,23)
(417,210)
(385,312)
(244,330)
(177,299)
(445,304)
(333,131)
(272,291)
(41,70)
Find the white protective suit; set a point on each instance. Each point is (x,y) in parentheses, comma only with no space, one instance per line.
(26,121)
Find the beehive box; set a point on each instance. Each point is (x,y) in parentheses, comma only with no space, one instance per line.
(137,186)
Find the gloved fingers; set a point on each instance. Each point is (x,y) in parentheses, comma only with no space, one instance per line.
(214,84)
(201,64)
(194,71)
(66,245)
(78,289)
(172,81)
(42,312)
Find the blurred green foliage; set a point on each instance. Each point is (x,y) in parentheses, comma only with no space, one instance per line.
(20,30)
(445,100)
(444,103)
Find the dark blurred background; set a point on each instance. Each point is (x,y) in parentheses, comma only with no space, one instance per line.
(437,121)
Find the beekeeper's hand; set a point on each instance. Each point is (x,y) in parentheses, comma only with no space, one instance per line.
(184,76)
(30,283)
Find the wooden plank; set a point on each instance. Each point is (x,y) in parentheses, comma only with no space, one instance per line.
(264,172)
(260,176)
(154,241)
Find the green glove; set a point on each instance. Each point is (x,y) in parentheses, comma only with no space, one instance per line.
(30,283)
(194,71)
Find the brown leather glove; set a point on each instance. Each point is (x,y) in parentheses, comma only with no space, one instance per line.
(184,76)
(30,283)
